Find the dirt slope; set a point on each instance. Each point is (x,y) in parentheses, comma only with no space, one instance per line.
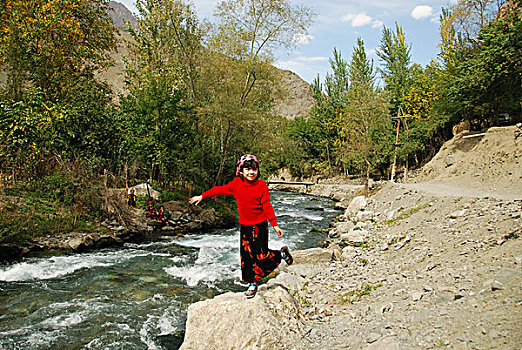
(488,165)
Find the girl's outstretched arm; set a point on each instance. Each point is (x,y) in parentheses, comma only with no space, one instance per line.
(196,200)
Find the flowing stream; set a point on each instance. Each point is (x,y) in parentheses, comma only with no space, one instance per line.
(136,296)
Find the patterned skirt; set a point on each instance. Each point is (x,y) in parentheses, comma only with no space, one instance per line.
(257,261)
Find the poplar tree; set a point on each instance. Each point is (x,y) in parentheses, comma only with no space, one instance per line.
(394,53)
(365,122)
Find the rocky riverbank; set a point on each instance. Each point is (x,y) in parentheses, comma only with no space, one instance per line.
(431,264)
(124,224)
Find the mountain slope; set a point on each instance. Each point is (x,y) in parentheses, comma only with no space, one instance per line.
(293,99)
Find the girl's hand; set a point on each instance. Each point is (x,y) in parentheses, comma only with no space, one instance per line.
(195,200)
(279,232)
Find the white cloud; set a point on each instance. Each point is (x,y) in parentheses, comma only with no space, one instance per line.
(307,67)
(301,62)
(303,39)
(377,24)
(361,19)
(372,52)
(422,12)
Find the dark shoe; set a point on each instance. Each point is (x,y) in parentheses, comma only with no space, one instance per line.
(251,291)
(285,254)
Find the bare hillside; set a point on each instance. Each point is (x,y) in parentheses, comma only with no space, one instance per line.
(490,163)
(295,100)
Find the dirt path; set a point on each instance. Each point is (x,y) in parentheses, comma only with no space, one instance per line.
(452,189)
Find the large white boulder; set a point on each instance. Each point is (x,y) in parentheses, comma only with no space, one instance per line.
(270,320)
(146,190)
(356,204)
(314,256)
(354,237)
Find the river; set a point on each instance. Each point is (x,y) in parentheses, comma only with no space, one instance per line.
(136,296)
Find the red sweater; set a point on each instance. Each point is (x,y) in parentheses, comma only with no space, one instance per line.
(253,200)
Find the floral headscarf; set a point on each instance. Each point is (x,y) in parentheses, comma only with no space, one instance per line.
(243,159)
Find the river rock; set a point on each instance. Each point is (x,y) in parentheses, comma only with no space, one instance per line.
(146,190)
(75,243)
(176,215)
(386,343)
(353,237)
(291,281)
(390,213)
(270,320)
(356,204)
(458,214)
(342,205)
(344,227)
(365,215)
(313,256)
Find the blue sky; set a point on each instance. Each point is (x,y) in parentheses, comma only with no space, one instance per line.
(340,22)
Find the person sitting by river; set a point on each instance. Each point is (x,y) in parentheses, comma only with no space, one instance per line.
(161,216)
(150,212)
(131,198)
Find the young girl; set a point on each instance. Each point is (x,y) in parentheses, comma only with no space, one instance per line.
(254,209)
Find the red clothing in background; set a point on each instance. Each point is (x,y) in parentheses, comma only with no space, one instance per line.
(253,200)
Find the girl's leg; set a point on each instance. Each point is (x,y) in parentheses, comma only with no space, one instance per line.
(258,260)
(245,249)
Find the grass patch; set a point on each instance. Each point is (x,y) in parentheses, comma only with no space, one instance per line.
(51,205)
(364,244)
(22,223)
(303,302)
(356,295)
(406,213)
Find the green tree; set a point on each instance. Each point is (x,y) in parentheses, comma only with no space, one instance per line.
(330,99)
(394,53)
(489,81)
(53,45)
(423,92)
(244,38)
(479,75)
(53,108)
(337,83)
(364,120)
(37,134)
(158,117)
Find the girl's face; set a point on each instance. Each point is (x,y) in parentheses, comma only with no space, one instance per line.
(250,174)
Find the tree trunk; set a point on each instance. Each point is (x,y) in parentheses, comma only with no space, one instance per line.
(224,153)
(366,183)
(394,166)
